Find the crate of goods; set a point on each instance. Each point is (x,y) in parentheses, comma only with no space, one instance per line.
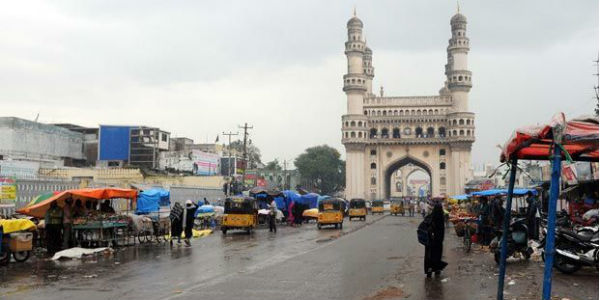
(21,241)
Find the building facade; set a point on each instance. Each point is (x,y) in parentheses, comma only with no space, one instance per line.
(382,134)
(49,145)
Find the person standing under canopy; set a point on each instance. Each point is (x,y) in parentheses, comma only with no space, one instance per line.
(67,223)
(53,222)
(433,250)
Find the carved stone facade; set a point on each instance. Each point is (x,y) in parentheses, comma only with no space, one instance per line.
(382,134)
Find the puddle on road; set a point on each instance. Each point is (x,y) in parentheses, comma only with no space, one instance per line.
(391,292)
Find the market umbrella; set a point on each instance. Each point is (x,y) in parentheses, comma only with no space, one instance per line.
(41,197)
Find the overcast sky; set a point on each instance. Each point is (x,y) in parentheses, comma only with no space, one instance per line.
(198,68)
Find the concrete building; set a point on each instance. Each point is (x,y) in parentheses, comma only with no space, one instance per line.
(90,141)
(382,134)
(49,145)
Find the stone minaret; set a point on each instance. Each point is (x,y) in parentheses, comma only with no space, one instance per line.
(461,128)
(369,70)
(457,72)
(357,83)
(355,78)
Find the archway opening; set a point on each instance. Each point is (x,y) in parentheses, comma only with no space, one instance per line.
(408,177)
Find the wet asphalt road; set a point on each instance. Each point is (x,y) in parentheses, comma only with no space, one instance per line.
(379,259)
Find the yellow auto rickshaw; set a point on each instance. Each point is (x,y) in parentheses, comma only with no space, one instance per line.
(240,213)
(377,207)
(396,207)
(358,209)
(330,213)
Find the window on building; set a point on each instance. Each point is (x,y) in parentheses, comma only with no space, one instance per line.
(360,134)
(442,131)
(430,132)
(373,166)
(442,180)
(385,133)
(353,134)
(442,166)
(373,181)
(454,122)
(419,132)
(442,151)
(373,133)
(373,152)
(396,133)
(163,137)
(461,122)
(462,132)
(352,123)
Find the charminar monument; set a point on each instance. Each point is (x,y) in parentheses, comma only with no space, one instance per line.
(383,134)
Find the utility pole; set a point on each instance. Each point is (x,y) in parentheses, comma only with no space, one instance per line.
(596,87)
(285,177)
(245,127)
(229,159)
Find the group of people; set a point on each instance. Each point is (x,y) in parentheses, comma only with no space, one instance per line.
(490,215)
(58,221)
(182,221)
(412,205)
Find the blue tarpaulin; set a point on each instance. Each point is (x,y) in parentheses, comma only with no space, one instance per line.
(321,198)
(460,197)
(151,200)
(497,192)
(310,199)
(281,203)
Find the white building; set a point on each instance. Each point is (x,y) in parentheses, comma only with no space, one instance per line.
(382,134)
(49,145)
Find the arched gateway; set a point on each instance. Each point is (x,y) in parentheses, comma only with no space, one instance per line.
(381,133)
(395,166)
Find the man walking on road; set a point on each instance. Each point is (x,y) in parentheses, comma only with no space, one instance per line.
(433,250)
(190,211)
(272,216)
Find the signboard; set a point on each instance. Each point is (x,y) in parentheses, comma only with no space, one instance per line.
(8,189)
(205,163)
(568,174)
(113,142)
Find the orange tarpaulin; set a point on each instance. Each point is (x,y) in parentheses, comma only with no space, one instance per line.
(39,210)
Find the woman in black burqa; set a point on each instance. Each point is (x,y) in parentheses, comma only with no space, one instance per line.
(433,251)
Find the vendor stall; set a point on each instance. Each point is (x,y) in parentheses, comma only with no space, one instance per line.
(96,222)
(575,140)
(154,204)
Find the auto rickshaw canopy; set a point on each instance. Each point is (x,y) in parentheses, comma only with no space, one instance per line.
(39,210)
(240,205)
(358,203)
(330,204)
(378,203)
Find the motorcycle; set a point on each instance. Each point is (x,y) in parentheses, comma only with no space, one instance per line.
(574,248)
(517,240)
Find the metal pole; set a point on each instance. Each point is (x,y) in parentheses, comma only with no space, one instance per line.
(511,187)
(549,250)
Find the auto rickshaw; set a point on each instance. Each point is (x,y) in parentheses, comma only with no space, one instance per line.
(396,207)
(377,207)
(330,213)
(358,209)
(240,213)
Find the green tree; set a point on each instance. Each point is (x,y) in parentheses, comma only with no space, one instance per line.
(321,168)
(253,152)
(273,165)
